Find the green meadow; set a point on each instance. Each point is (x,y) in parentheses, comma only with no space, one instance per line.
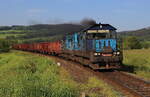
(3,36)
(11,31)
(140,60)
(26,75)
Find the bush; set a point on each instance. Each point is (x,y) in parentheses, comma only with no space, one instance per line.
(146,44)
(132,42)
(4,45)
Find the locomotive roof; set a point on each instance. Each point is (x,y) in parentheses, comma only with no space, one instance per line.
(97,27)
(100,27)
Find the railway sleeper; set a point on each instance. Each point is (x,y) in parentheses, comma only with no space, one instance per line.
(144,94)
(136,80)
(133,87)
(133,83)
(137,88)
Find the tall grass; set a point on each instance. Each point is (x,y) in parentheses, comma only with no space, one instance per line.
(98,88)
(24,75)
(140,59)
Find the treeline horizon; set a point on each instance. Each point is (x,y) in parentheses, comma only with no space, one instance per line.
(48,33)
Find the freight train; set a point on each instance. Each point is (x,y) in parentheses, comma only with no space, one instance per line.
(96,46)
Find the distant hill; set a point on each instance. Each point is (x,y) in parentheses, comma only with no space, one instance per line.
(39,32)
(52,32)
(142,34)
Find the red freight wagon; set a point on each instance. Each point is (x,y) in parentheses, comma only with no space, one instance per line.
(57,47)
(38,47)
(31,48)
(54,47)
(24,46)
(44,47)
(35,47)
(20,47)
(15,46)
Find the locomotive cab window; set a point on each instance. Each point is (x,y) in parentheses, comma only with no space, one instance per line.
(100,35)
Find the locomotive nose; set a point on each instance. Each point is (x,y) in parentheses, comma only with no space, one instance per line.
(107,49)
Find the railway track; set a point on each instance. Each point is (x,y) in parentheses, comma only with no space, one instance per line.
(130,84)
(138,87)
(126,83)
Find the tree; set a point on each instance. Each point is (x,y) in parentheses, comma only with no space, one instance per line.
(132,42)
(146,44)
(4,45)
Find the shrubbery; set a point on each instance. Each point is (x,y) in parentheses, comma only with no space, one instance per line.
(132,42)
(4,45)
(145,44)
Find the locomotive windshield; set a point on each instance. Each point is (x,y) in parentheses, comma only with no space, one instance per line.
(101,35)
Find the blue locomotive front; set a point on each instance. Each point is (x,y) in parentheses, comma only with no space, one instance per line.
(97,46)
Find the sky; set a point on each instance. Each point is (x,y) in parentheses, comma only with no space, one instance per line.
(122,14)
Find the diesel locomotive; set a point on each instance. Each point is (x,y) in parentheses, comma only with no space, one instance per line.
(96,46)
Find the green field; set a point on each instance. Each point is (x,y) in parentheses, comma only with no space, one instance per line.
(140,60)
(26,75)
(3,36)
(11,31)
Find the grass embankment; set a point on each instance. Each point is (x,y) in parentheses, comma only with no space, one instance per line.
(140,60)
(98,88)
(26,75)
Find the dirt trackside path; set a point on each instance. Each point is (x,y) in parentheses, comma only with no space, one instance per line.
(79,74)
(88,79)
(82,74)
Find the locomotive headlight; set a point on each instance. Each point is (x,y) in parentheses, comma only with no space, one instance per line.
(95,54)
(115,53)
(118,53)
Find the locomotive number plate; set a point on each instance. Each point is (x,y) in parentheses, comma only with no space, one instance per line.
(106,54)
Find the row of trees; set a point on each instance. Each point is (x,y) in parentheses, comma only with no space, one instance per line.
(132,42)
(5,45)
